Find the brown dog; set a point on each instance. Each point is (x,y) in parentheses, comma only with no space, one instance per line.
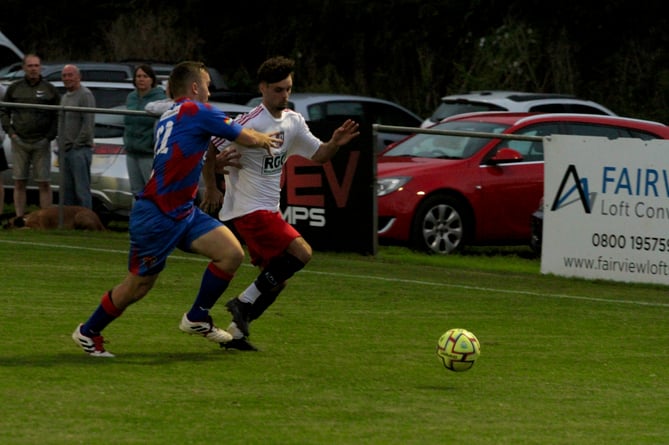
(74,218)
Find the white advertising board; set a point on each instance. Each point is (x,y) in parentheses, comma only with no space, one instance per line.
(606,209)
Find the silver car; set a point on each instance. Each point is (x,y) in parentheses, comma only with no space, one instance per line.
(516,101)
(110,186)
(318,107)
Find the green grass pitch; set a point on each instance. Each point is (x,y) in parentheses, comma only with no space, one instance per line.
(347,353)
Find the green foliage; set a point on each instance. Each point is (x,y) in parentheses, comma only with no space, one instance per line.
(347,353)
(412,52)
(143,37)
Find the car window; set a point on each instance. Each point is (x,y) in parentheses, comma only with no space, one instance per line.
(643,135)
(447,146)
(335,110)
(385,114)
(566,108)
(533,150)
(606,131)
(109,97)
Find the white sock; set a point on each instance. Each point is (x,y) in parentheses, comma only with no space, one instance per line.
(250,294)
(234,331)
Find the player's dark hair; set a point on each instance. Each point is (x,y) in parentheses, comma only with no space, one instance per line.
(275,69)
(183,75)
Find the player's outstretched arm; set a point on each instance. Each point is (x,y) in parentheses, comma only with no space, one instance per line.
(252,138)
(341,136)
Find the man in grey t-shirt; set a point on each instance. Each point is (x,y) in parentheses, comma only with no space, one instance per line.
(76,140)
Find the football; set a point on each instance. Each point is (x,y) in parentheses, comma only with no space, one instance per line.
(458,349)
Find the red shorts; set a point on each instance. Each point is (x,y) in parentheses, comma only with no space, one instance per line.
(266,235)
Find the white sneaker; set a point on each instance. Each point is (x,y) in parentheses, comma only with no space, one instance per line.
(204,329)
(93,346)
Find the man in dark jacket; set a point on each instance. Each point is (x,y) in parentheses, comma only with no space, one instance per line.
(31,131)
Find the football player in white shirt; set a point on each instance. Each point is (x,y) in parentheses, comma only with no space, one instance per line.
(253,193)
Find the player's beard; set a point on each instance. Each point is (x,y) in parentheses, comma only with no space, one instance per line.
(280,106)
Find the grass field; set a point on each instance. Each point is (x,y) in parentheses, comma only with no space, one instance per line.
(347,353)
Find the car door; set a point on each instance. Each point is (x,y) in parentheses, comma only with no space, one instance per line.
(509,191)
(386,114)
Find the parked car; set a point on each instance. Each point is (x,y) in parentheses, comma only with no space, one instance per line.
(439,193)
(107,94)
(110,186)
(365,110)
(537,227)
(496,100)
(90,71)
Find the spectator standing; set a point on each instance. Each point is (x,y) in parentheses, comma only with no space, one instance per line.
(76,140)
(31,131)
(253,193)
(138,134)
(165,217)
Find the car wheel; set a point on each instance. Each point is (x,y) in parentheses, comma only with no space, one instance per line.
(440,225)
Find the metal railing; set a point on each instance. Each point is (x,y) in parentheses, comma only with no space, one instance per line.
(61,109)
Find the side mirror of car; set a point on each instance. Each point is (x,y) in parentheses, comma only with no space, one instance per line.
(504,155)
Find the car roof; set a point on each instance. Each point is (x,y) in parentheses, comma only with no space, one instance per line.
(301,101)
(512,100)
(311,98)
(98,71)
(515,96)
(518,118)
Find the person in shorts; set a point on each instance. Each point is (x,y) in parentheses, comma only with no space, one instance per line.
(253,193)
(165,217)
(31,131)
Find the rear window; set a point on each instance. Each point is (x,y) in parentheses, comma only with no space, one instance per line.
(451,108)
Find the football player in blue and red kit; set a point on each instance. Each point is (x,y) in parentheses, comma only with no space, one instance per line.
(165,216)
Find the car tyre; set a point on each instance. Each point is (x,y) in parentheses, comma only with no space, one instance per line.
(441,225)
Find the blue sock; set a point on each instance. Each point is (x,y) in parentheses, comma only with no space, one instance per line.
(103,315)
(214,283)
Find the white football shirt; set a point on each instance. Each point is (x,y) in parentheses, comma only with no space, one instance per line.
(257,185)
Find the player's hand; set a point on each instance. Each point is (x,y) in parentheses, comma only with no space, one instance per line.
(212,200)
(227,158)
(345,133)
(268,141)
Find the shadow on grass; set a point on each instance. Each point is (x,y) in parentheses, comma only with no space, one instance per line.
(132,358)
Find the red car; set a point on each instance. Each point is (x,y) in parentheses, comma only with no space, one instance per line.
(439,193)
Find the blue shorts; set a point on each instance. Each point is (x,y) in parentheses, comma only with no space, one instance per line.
(154,235)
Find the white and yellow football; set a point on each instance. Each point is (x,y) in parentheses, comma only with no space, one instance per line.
(458,349)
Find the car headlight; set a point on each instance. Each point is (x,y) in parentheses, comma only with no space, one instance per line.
(385,186)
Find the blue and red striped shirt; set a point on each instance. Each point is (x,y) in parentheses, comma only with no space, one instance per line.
(182,137)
